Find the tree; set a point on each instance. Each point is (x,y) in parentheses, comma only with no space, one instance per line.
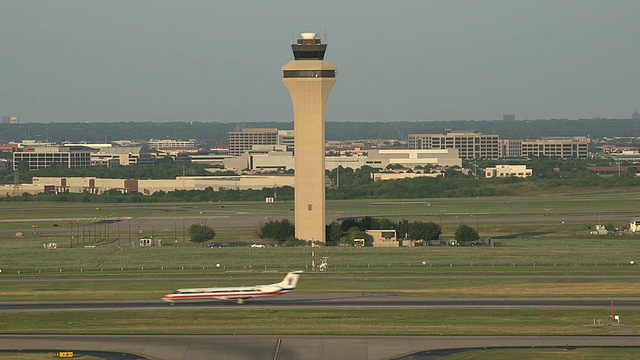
(356,233)
(201,233)
(466,233)
(279,230)
(419,230)
(402,229)
(334,232)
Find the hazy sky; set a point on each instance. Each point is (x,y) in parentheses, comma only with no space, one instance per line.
(206,60)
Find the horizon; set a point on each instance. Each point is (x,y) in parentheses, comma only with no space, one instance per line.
(328,121)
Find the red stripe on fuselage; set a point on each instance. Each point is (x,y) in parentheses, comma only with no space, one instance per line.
(174,297)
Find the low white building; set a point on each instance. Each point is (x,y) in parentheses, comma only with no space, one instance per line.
(507,171)
(404,175)
(383,238)
(413,158)
(261,161)
(168,143)
(121,156)
(353,162)
(98,185)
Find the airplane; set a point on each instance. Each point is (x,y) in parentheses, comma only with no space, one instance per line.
(237,294)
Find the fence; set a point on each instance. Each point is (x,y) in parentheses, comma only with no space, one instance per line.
(341,267)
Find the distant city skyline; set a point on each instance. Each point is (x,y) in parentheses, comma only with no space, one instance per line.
(414,60)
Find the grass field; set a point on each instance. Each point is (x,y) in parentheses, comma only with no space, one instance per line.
(536,255)
(310,322)
(138,289)
(533,236)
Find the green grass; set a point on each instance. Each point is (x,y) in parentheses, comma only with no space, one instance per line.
(27,255)
(565,249)
(449,213)
(312,322)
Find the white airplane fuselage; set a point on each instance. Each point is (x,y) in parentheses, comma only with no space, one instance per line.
(238,294)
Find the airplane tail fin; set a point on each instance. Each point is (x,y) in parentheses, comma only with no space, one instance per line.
(290,280)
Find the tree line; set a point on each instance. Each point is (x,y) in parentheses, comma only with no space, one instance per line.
(346,232)
(212,133)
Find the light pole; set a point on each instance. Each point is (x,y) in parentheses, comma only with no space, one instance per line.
(83,226)
(93,224)
(475,171)
(108,220)
(612,310)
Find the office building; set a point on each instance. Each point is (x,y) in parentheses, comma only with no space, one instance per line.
(470,145)
(162,144)
(242,141)
(286,138)
(510,148)
(42,157)
(557,147)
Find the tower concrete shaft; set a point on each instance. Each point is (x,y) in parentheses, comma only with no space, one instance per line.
(309,78)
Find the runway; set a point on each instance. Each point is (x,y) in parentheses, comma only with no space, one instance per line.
(316,347)
(312,347)
(301,301)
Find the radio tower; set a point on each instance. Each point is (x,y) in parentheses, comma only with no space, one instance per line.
(309,78)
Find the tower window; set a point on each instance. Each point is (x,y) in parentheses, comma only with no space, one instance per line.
(309,73)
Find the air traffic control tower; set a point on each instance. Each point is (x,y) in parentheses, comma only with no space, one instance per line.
(309,79)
